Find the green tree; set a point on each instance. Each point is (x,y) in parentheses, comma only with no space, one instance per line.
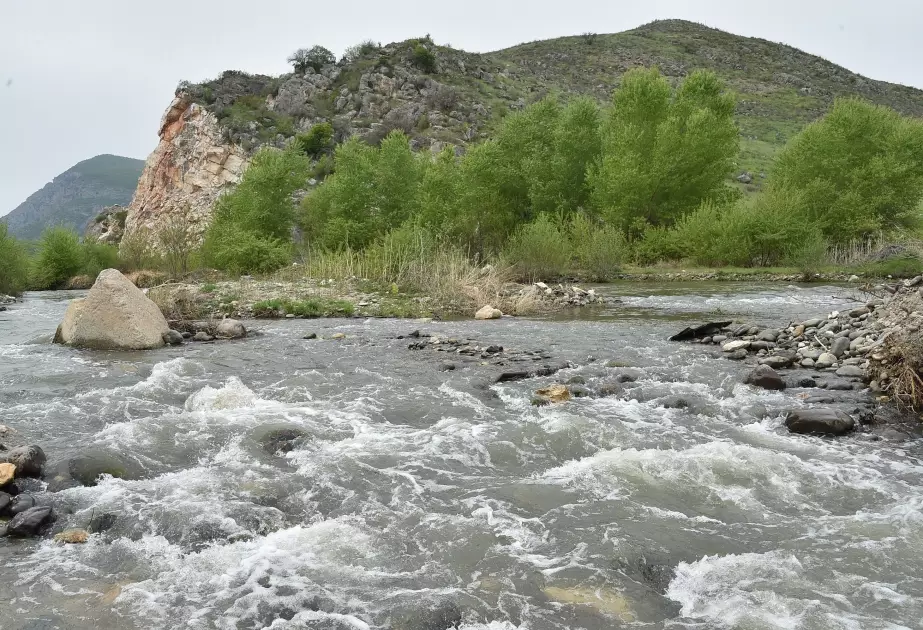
(663,151)
(60,258)
(859,169)
(14,263)
(317,141)
(315,58)
(252,225)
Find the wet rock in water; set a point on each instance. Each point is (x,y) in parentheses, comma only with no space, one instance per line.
(576,380)
(338,336)
(310,336)
(851,371)
(765,377)
(805,381)
(819,400)
(610,389)
(7,473)
(440,617)
(5,501)
(187,334)
(770,334)
(230,329)
(28,460)
(734,346)
(30,522)
(819,421)
(825,360)
(278,438)
(698,332)
(86,469)
(447,367)
(807,363)
(102,522)
(675,402)
(488,312)
(578,391)
(173,337)
(539,402)
(519,375)
(554,393)
(736,355)
(608,602)
(812,323)
(627,376)
(72,536)
(777,362)
(115,315)
(839,347)
(202,336)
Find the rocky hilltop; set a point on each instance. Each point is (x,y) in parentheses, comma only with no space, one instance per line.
(442,96)
(76,196)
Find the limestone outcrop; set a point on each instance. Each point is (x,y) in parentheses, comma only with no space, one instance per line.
(192,164)
(115,315)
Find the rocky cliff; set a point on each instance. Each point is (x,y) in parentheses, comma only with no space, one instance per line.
(76,196)
(193,162)
(442,96)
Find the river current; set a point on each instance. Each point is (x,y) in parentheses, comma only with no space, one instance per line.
(414,489)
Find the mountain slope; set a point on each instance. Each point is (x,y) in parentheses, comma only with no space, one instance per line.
(77,195)
(442,96)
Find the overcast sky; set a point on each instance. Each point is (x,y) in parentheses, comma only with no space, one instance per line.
(84,77)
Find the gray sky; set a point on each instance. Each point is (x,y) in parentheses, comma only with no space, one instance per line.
(84,77)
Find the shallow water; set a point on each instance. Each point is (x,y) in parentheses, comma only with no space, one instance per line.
(416,487)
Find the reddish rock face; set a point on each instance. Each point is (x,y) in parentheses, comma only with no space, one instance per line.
(192,164)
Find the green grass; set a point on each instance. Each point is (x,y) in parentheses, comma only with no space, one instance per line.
(311,307)
(208,287)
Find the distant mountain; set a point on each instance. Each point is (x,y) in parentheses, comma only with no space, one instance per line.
(76,196)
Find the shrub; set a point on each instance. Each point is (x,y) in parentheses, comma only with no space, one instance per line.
(60,257)
(540,250)
(663,151)
(424,58)
(314,58)
(360,50)
(99,256)
(136,252)
(252,226)
(657,244)
(859,169)
(176,244)
(317,141)
(598,249)
(14,264)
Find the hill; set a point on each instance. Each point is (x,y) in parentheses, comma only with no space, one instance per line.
(77,195)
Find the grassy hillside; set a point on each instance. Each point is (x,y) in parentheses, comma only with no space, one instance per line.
(77,195)
(779,88)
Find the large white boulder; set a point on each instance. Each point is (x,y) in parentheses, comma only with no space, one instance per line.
(115,315)
(488,312)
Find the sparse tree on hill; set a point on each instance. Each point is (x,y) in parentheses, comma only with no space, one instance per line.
(315,58)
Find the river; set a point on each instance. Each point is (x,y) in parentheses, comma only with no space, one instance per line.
(414,489)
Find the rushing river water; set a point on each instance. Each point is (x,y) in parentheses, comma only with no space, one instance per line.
(415,488)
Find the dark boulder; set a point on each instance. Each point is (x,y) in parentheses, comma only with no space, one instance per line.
(765,377)
(698,332)
(21,503)
(5,501)
(173,337)
(28,460)
(86,468)
(31,522)
(441,617)
(819,421)
(278,438)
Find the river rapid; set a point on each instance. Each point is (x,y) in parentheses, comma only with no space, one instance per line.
(417,494)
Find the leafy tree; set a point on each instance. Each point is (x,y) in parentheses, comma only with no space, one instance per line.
(663,151)
(60,258)
(424,58)
(14,263)
(317,141)
(252,226)
(859,169)
(315,58)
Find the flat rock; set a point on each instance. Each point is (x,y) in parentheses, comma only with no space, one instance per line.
(230,329)
(819,421)
(840,346)
(72,536)
(851,371)
(698,332)
(30,522)
(825,360)
(733,346)
(554,393)
(770,334)
(765,377)
(736,355)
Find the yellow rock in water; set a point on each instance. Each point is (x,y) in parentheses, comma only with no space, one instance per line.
(7,472)
(606,602)
(554,393)
(338,336)
(72,536)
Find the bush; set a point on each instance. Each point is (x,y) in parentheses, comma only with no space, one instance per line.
(252,226)
(360,50)
(540,250)
(14,264)
(859,170)
(317,141)
(657,244)
(176,245)
(60,257)
(136,252)
(424,58)
(99,256)
(598,249)
(314,58)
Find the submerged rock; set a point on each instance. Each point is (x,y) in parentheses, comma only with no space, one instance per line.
(554,393)
(72,536)
(31,522)
(115,315)
(440,617)
(28,460)
(698,332)
(819,421)
(173,337)
(7,473)
(86,469)
(765,377)
(278,438)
